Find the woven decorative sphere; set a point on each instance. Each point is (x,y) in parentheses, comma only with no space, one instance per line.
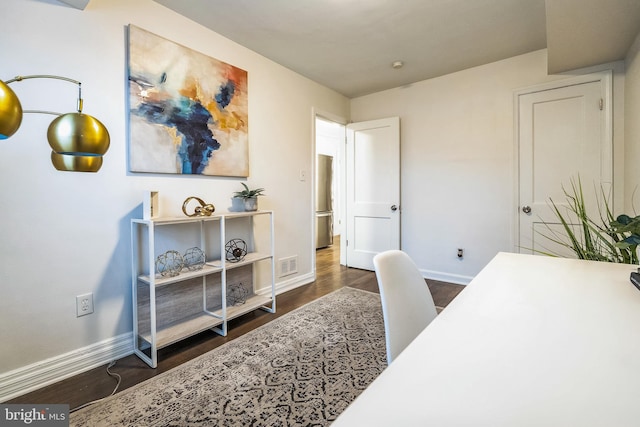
(169,264)
(237,294)
(193,259)
(236,250)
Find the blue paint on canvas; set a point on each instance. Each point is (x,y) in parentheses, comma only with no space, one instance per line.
(190,119)
(224,97)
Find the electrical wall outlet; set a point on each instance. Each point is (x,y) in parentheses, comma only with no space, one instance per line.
(84,304)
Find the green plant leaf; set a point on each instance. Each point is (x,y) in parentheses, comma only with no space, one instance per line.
(247,193)
(623,219)
(602,238)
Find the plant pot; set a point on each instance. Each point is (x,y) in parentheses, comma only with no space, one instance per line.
(251,204)
(237,204)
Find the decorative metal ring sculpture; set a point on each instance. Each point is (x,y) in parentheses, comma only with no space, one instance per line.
(235,250)
(193,259)
(205,209)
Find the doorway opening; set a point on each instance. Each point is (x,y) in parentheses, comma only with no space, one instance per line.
(329,179)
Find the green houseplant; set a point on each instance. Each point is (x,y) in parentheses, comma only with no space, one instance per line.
(603,238)
(249,197)
(629,228)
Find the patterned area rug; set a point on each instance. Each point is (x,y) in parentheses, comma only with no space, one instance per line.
(301,369)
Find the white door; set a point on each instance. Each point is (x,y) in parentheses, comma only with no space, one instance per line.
(372,190)
(562,135)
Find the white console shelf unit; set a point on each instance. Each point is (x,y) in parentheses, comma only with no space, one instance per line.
(169,309)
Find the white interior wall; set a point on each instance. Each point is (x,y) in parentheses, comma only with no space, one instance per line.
(63,234)
(457,160)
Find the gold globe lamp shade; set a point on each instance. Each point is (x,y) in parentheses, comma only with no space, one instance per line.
(10,111)
(75,163)
(78,142)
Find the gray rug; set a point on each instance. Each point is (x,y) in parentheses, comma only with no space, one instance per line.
(301,369)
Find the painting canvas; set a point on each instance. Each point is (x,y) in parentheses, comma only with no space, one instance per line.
(188,112)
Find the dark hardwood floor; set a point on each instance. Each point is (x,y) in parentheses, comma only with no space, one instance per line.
(95,384)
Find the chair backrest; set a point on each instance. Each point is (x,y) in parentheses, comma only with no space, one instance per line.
(407,304)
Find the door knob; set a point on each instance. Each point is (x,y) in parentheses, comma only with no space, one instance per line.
(526,209)
(394,208)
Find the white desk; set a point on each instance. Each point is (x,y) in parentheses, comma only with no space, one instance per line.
(532,341)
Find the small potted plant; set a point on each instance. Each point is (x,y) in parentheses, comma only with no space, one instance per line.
(249,197)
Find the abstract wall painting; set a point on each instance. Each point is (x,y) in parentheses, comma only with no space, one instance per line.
(188,112)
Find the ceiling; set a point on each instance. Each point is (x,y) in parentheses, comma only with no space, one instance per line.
(581,33)
(78,4)
(349,45)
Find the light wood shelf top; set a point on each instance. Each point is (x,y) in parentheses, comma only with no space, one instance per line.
(250,258)
(187,219)
(184,275)
(252,303)
(183,328)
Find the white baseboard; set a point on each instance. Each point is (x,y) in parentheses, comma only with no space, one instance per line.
(446,277)
(288,285)
(296,282)
(37,375)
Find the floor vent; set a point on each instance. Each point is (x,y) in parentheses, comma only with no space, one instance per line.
(288,265)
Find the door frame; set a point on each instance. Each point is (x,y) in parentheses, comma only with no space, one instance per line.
(605,77)
(320,114)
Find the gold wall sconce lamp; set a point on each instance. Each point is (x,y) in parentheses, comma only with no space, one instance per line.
(78,141)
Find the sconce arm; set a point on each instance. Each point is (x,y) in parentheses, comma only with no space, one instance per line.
(41,76)
(53,113)
(50,76)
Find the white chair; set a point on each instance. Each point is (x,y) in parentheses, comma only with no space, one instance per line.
(407,304)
